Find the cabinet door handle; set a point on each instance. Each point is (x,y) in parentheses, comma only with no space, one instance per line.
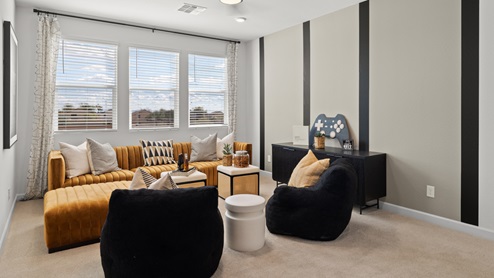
(288,149)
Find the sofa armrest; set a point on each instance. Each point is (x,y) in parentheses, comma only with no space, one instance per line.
(243,146)
(56,170)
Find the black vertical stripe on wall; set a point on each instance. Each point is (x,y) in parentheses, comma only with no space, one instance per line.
(306,101)
(470,111)
(364,76)
(261,104)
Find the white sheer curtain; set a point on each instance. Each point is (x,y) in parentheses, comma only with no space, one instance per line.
(44,97)
(232,85)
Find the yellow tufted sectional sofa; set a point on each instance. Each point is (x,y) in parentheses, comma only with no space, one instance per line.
(75,209)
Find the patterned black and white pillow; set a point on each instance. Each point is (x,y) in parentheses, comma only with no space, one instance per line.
(157,152)
(143,179)
(165,182)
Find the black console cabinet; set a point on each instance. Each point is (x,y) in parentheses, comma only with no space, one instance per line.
(370,167)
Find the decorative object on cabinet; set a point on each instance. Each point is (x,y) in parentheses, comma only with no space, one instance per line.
(335,127)
(348,144)
(319,140)
(300,134)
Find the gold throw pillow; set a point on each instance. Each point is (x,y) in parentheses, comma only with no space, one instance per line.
(308,171)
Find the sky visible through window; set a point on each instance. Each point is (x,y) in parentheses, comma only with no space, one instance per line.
(85,66)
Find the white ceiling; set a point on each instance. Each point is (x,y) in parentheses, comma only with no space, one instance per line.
(264,17)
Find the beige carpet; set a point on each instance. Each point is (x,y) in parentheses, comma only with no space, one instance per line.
(377,243)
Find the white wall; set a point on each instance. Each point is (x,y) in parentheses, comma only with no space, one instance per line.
(486,133)
(124,37)
(7,157)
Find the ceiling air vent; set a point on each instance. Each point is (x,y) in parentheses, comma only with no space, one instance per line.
(191,9)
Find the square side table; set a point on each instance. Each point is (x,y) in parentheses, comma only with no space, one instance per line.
(232,180)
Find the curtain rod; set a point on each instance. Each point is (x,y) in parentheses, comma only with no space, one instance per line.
(133,25)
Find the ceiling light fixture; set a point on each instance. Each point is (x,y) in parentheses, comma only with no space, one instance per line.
(231,2)
(240,19)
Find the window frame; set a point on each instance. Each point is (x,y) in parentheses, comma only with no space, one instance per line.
(177,92)
(225,104)
(115,92)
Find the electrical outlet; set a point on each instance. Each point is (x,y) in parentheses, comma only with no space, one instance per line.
(8,193)
(269,158)
(430,191)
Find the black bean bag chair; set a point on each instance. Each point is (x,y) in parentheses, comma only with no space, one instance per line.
(162,233)
(320,212)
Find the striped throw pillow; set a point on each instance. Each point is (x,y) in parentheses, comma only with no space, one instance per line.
(157,152)
(143,179)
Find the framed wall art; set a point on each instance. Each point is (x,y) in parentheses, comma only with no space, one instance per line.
(9,85)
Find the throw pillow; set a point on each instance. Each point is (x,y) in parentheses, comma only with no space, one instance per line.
(203,149)
(308,171)
(221,142)
(157,152)
(165,182)
(102,157)
(76,162)
(141,179)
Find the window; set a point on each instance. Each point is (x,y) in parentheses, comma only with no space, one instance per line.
(153,85)
(86,86)
(207,90)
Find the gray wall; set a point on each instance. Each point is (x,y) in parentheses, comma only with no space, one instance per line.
(415,111)
(486,148)
(7,157)
(283,87)
(415,114)
(334,41)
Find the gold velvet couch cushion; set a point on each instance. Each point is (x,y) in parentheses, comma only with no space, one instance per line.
(75,215)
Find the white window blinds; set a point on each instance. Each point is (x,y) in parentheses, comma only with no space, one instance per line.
(86,86)
(207,90)
(153,84)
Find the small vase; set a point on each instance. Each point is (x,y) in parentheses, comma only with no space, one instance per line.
(319,142)
(227,160)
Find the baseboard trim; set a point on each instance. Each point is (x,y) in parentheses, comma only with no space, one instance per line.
(18,197)
(441,221)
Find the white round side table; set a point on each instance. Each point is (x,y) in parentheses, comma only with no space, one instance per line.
(245,222)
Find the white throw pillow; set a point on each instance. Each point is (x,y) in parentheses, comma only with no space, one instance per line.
(221,142)
(203,149)
(102,157)
(76,162)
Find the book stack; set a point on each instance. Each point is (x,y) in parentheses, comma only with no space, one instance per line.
(178,172)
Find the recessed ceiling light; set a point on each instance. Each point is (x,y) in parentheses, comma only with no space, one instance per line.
(240,19)
(231,2)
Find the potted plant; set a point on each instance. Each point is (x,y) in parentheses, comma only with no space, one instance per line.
(227,155)
(319,140)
